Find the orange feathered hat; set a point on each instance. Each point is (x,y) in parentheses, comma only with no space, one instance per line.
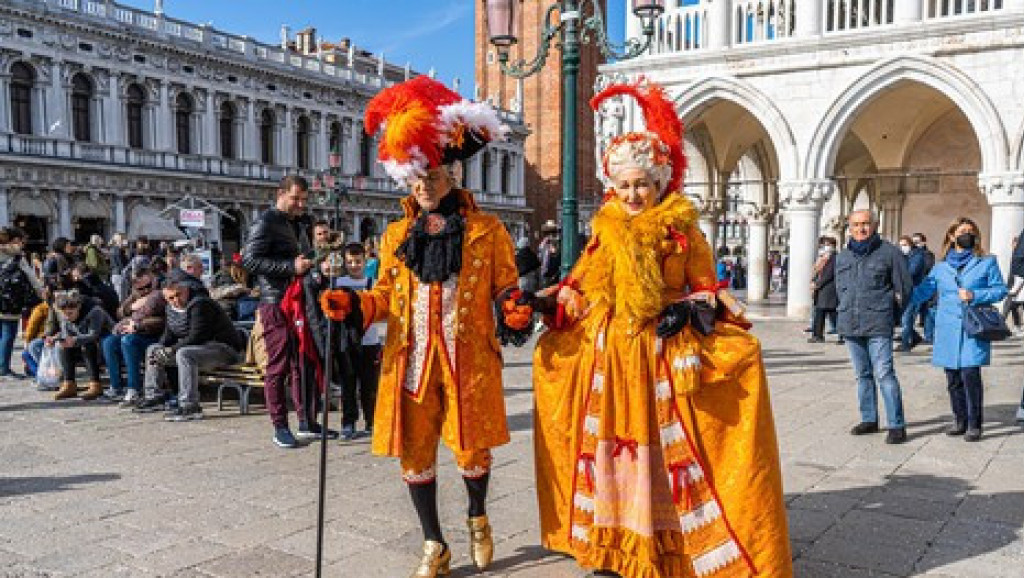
(427,125)
(659,149)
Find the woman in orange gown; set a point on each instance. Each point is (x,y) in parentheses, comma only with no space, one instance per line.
(656,454)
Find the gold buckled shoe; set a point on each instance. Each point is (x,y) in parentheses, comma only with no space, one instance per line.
(436,561)
(481,545)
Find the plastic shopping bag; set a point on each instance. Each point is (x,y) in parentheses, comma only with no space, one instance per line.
(49,372)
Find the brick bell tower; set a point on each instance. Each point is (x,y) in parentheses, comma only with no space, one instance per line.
(540,99)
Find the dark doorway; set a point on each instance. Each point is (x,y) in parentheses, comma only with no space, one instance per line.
(86,227)
(367,229)
(36,233)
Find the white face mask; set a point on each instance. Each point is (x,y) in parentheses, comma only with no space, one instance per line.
(905,249)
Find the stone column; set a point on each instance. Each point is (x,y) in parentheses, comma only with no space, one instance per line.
(809,18)
(64,214)
(719,28)
(113,113)
(249,147)
(57,117)
(5,211)
(802,201)
(323,145)
(164,140)
(890,216)
(120,223)
(350,148)
(1005,194)
(906,12)
(211,127)
(758,271)
(287,140)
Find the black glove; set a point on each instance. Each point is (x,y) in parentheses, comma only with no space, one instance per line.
(544,305)
(699,314)
(673,319)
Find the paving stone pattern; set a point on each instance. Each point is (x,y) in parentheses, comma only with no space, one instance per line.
(90,490)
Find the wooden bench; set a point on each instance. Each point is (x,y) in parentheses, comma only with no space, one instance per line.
(241,377)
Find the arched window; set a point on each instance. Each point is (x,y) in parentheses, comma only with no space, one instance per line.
(22,80)
(267,122)
(485,172)
(366,155)
(183,109)
(133,111)
(302,142)
(81,107)
(227,130)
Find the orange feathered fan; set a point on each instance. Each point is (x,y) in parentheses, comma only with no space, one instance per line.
(659,116)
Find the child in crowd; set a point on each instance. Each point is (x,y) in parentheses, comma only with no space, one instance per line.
(367,364)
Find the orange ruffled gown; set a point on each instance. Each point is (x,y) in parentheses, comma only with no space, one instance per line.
(655,458)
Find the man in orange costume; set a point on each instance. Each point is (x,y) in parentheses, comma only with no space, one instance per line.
(656,449)
(444,266)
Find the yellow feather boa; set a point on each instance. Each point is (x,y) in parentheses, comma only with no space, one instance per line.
(624,266)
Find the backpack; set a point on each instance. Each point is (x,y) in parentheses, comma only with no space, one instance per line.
(16,292)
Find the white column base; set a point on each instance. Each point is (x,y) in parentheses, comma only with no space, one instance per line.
(802,201)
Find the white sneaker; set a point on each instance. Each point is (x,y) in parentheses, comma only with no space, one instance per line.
(1020,414)
(131,399)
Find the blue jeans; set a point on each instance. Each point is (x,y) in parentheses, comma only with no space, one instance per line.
(8,333)
(131,348)
(929,323)
(872,364)
(908,336)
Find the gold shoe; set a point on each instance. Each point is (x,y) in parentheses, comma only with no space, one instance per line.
(437,561)
(481,545)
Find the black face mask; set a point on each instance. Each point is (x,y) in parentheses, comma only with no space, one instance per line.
(965,241)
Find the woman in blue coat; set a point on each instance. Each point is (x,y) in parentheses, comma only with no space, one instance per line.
(966,276)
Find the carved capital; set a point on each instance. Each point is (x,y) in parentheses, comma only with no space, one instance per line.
(1002,188)
(757,214)
(805,195)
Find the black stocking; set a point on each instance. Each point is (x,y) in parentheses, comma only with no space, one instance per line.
(477,490)
(424,499)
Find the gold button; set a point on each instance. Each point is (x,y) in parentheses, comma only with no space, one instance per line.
(472,279)
(394,271)
(467,295)
(478,263)
(398,286)
(463,311)
(461,327)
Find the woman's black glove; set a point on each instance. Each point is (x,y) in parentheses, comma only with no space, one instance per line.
(546,305)
(673,319)
(699,314)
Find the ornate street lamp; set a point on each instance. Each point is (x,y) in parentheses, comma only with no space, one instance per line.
(502,21)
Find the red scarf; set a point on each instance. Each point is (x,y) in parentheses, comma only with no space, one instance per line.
(293,305)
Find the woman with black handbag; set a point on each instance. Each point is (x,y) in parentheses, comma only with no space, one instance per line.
(967,282)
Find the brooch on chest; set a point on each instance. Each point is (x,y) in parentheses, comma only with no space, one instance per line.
(435,224)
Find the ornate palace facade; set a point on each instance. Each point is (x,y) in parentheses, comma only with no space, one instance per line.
(799,111)
(109,115)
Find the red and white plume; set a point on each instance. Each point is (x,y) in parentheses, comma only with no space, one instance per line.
(659,149)
(427,125)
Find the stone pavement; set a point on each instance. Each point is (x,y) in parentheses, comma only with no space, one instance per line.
(90,490)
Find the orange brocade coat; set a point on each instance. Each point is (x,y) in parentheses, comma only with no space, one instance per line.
(655,458)
(476,418)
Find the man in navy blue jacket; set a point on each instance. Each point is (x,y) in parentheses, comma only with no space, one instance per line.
(917,265)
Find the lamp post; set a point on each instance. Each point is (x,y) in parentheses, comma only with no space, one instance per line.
(502,16)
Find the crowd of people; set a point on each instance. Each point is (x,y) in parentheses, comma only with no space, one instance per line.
(876,293)
(144,318)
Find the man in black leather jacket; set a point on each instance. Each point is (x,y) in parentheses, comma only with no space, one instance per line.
(276,252)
